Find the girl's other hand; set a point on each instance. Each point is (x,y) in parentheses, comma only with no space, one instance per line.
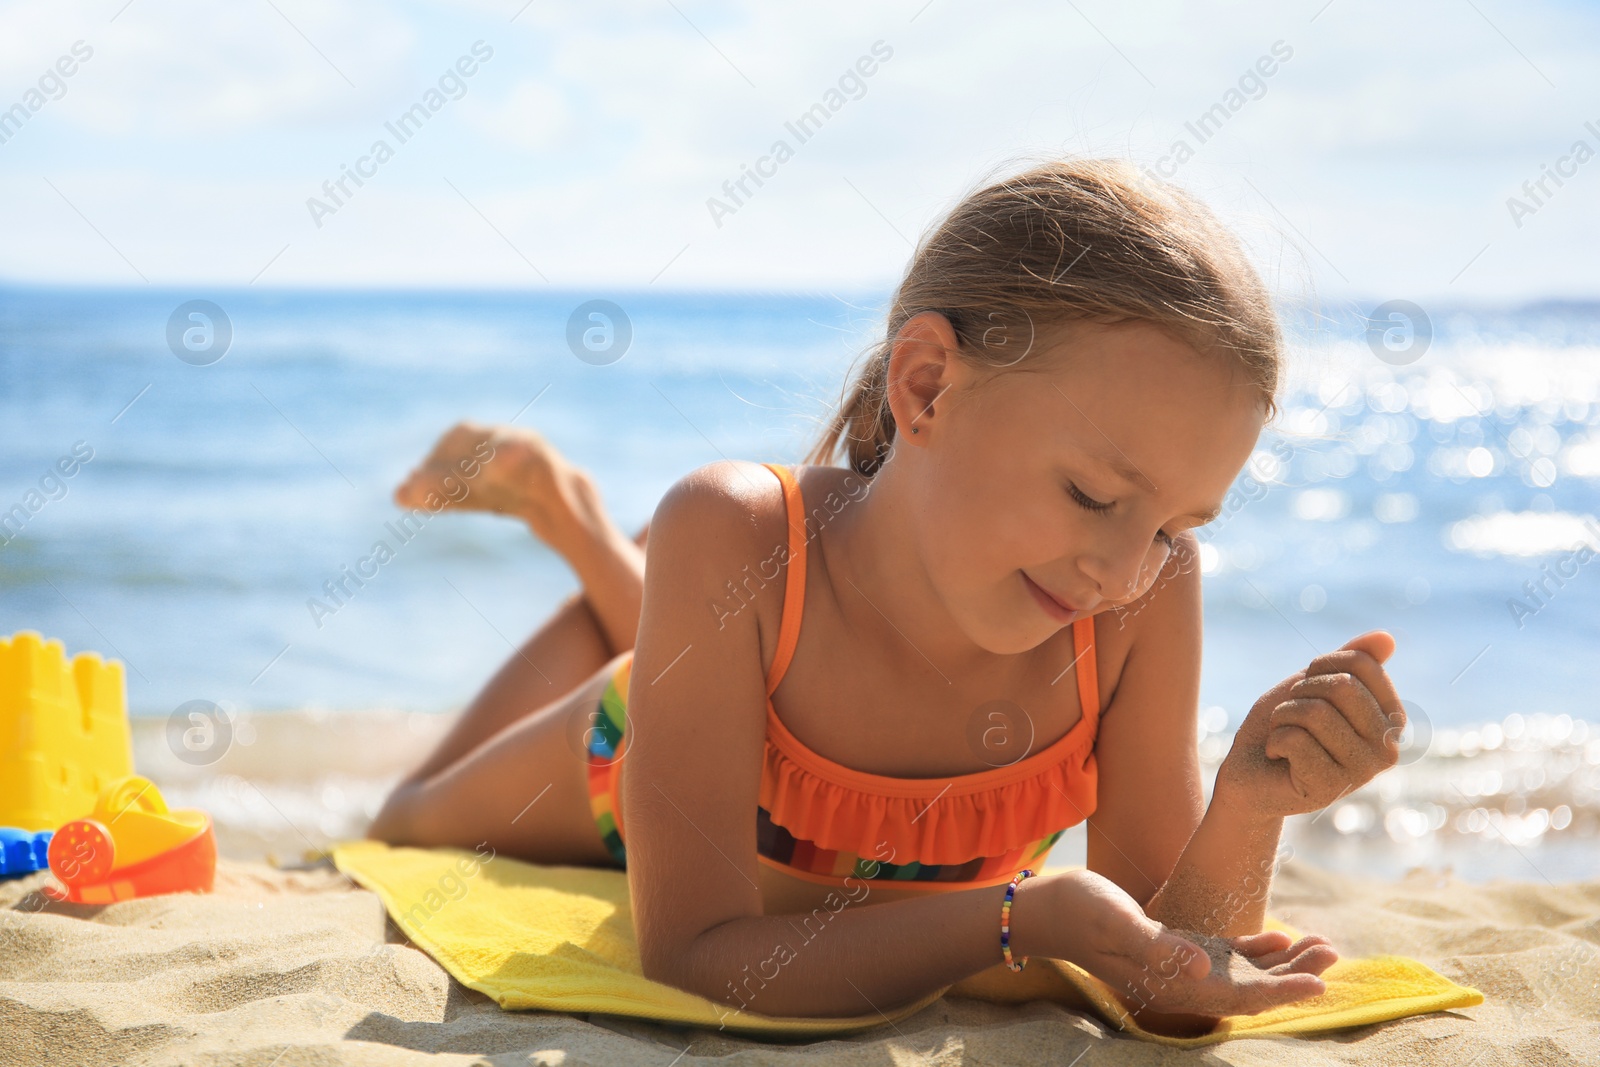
(1319,734)
(1189,979)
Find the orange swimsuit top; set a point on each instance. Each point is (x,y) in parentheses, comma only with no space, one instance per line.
(821,821)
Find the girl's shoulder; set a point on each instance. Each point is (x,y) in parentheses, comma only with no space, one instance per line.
(744,501)
(720,534)
(734,500)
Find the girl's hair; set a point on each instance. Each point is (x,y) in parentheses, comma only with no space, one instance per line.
(1068,240)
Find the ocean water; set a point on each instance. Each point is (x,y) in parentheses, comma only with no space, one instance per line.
(1445,493)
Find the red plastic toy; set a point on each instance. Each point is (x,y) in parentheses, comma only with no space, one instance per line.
(133,846)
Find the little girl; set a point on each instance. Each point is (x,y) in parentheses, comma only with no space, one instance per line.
(841,717)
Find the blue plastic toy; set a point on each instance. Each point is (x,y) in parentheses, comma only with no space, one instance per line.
(23,851)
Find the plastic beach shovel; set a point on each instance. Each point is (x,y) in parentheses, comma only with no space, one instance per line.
(22,851)
(131,845)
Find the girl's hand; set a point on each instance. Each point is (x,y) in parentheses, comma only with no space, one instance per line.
(1319,734)
(1155,971)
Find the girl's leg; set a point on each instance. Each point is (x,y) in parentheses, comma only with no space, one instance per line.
(528,479)
(515,472)
(523,791)
(560,656)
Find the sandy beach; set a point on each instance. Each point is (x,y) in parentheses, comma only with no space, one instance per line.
(288,962)
(282,967)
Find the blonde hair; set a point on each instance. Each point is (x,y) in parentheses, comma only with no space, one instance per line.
(1068,240)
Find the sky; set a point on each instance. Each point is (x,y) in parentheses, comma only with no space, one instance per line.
(1384,156)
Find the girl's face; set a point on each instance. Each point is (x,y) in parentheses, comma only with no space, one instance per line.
(1058,492)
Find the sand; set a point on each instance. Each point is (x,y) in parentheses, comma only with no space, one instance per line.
(279,968)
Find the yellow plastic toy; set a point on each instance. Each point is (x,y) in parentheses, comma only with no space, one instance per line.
(132,845)
(63,731)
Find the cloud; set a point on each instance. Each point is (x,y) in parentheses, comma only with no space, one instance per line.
(533,116)
(1377,162)
(192,69)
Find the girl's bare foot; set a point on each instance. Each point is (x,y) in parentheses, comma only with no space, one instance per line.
(511,471)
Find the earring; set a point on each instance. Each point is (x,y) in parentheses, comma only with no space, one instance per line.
(915,430)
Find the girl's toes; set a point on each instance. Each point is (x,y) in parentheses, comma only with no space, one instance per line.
(460,440)
(402,492)
(408,494)
(418,487)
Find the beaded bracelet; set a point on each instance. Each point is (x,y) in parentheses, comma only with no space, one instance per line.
(1005,922)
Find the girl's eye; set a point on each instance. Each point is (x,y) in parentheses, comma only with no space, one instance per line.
(1090,504)
(1085,502)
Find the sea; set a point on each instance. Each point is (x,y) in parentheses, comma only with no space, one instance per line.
(184,473)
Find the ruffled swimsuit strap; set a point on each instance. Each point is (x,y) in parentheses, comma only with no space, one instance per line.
(794,586)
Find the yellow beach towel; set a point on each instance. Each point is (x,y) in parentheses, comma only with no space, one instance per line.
(561,939)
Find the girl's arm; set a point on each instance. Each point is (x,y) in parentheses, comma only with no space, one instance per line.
(1317,735)
(1193,868)
(691,775)
(1149,800)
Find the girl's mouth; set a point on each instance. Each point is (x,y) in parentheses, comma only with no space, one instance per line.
(1056,609)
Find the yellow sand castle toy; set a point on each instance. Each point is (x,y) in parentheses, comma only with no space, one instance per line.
(63,731)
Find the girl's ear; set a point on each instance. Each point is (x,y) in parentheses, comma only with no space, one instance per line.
(923,365)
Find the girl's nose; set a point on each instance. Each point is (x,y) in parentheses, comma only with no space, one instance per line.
(1122,567)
